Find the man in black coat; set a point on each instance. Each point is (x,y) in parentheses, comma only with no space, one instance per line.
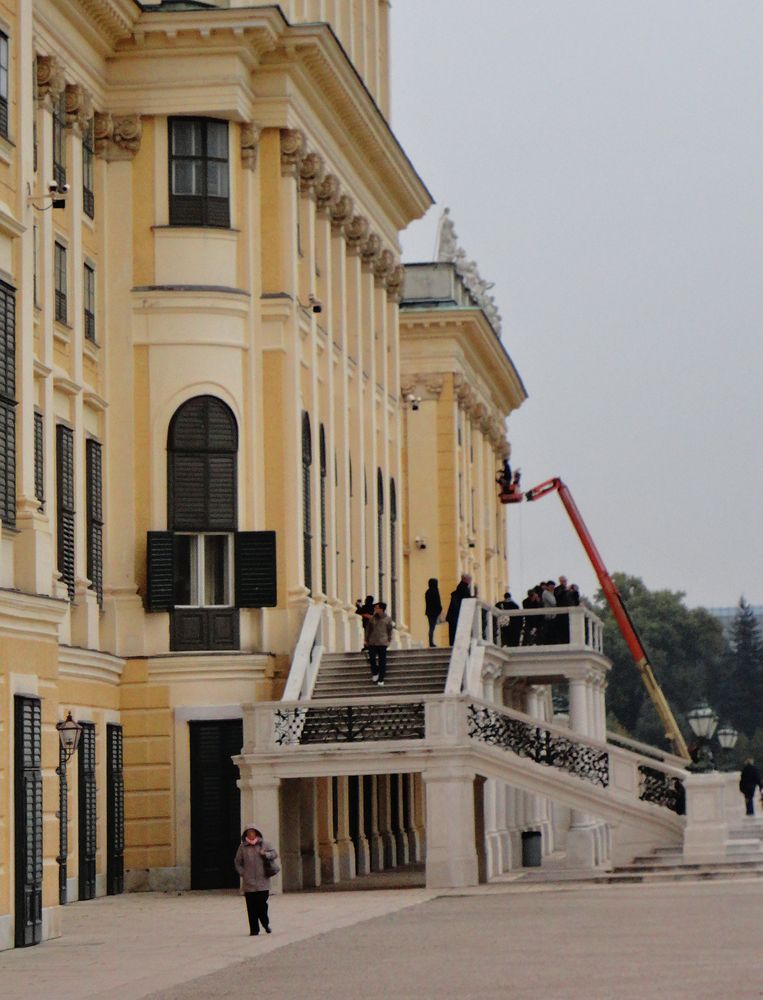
(510,632)
(463,590)
(749,781)
(562,623)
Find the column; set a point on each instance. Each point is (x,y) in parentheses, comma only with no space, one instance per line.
(451,860)
(345,849)
(581,838)
(358,825)
(371,816)
(384,798)
(327,850)
(308,835)
(260,798)
(290,848)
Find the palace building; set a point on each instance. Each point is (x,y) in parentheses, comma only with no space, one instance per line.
(228,412)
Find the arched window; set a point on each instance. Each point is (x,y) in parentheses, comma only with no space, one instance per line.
(393,549)
(380,530)
(202,450)
(307,506)
(202,570)
(324,538)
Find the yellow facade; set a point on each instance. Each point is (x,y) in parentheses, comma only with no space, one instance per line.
(284,313)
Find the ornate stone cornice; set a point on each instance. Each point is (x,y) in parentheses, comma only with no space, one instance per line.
(51,79)
(311,171)
(79,107)
(292,150)
(250,139)
(114,18)
(430,384)
(117,137)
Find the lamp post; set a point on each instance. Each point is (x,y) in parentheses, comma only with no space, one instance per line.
(703,722)
(727,737)
(69,733)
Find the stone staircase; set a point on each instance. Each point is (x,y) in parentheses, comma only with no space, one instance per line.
(744,859)
(409,671)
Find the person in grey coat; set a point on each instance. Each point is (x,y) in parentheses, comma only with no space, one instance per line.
(378,636)
(250,864)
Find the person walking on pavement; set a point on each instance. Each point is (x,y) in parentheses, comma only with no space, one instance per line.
(462,591)
(378,637)
(749,781)
(432,608)
(254,859)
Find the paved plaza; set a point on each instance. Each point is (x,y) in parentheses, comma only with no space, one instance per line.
(679,940)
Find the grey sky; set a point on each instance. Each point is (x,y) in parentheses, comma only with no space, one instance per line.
(602,163)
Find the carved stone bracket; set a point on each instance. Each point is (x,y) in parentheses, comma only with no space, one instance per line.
(395,283)
(356,231)
(250,139)
(79,107)
(327,192)
(371,249)
(51,79)
(292,150)
(383,266)
(117,137)
(427,384)
(342,212)
(311,171)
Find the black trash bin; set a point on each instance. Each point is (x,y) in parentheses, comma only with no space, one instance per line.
(531,852)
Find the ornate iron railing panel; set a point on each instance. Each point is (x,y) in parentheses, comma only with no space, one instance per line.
(539,744)
(661,789)
(349,724)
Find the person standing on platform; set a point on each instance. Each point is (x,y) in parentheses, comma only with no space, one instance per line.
(510,632)
(562,595)
(549,620)
(378,637)
(254,858)
(462,591)
(433,608)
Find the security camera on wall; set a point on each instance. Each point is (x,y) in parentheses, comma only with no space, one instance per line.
(420,542)
(315,304)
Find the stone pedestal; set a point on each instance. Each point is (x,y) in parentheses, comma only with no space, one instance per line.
(706,828)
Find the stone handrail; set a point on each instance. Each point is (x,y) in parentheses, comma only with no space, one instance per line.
(431,722)
(307,655)
(586,629)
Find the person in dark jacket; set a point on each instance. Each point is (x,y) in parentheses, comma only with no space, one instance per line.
(749,780)
(562,622)
(512,630)
(365,610)
(249,862)
(432,608)
(462,591)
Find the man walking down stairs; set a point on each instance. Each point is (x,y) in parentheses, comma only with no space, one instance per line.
(378,629)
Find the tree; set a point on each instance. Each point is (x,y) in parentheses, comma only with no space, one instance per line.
(684,646)
(736,688)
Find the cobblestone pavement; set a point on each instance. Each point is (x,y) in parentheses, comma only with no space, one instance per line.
(682,940)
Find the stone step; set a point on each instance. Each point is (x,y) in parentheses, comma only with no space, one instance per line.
(736,865)
(678,875)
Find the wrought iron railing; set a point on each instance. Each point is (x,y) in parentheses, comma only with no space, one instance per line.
(349,724)
(542,745)
(661,789)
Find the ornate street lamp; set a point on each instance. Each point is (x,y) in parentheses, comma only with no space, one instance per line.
(69,733)
(727,737)
(703,722)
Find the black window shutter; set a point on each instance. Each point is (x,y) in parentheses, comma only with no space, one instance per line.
(256,569)
(66,529)
(95,518)
(39,459)
(161,571)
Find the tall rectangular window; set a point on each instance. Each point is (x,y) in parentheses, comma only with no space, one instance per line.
(7,404)
(65,505)
(95,517)
(199,194)
(60,279)
(59,140)
(89,298)
(3,85)
(39,458)
(88,158)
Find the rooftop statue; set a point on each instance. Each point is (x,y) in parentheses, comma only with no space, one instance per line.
(449,252)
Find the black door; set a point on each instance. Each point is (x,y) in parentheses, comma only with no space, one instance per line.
(115,812)
(87,811)
(215,803)
(28,825)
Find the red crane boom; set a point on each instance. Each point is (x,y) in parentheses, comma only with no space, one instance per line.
(619,610)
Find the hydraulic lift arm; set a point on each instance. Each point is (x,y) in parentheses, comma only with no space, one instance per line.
(616,603)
